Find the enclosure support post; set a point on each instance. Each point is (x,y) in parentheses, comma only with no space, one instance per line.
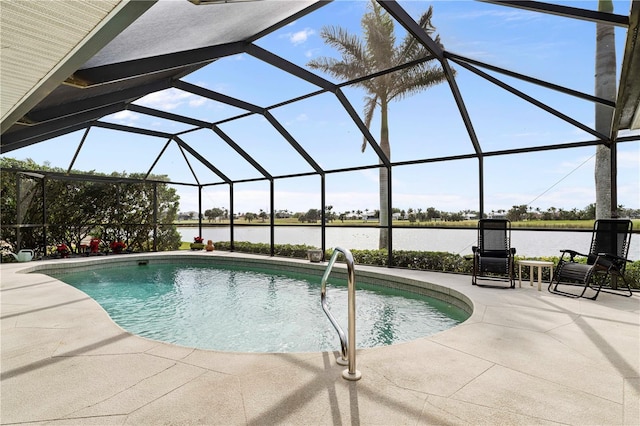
(323,218)
(231,217)
(19,212)
(389,220)
(481,186)
(272,234)
(44,217)
(613,148)
(200,210)
(155,216)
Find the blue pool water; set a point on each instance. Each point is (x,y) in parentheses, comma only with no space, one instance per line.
(251,310)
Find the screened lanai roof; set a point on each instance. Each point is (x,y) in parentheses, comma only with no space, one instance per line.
(70,67)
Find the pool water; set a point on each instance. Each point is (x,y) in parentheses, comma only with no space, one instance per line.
(255,310)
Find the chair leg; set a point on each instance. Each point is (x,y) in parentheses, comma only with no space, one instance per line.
(474,272)
(560,292)
(598,282)
(477,274)
(614,292)
(513,273)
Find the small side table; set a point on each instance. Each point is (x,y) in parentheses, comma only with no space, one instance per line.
(531,264)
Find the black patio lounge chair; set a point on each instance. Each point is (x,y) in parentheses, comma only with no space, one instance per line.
(493,256)
(605,262)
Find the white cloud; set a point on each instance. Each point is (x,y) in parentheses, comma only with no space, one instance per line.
(300,118)
(311,53)
(501,15)
(167,99)
(299,37)
(198,101)
(125,117)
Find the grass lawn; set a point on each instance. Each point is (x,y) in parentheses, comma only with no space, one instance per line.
(569,224)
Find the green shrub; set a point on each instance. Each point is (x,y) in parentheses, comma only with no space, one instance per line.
(370,257)
(298,251)
(412,259)
(632,274)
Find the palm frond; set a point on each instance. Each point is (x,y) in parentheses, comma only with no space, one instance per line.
(379,52)
(411,49)
(352,50)
(370,103)
(416,80)
(379,34)
(349,45)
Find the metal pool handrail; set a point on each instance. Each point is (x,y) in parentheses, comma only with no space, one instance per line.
(348,345)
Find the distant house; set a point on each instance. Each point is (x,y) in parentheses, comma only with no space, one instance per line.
(366,217)
(494,215)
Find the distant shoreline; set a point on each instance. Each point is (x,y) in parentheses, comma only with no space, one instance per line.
(532,224)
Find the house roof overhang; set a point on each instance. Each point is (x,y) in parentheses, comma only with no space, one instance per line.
(627,115)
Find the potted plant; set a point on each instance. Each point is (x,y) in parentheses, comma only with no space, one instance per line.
(197,243)
(117,246)
(314,255)
(63,250)
(94,245)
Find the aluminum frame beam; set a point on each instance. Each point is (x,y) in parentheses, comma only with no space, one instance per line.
(131,129)
(61,126)
(532,100)
(218,97)
(169,116)
(229,141)
(565,11)
(115,97)
(200,158)
(457,58)
(138,67)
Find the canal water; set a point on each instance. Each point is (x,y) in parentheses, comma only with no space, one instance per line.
(460,241)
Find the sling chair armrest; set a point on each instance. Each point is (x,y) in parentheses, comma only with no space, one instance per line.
(572,253)
(614,257)
(606,261)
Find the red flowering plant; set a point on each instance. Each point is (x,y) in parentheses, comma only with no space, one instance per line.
(198,240)
(117,245)
(63,250)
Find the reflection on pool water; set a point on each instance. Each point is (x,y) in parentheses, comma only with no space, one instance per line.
(255,310)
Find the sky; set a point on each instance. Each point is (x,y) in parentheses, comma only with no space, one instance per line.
(425,125)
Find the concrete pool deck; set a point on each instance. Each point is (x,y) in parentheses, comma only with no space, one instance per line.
(524,357)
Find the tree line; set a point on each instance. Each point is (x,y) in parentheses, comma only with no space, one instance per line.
(525,212)
(77,209)
(517,213)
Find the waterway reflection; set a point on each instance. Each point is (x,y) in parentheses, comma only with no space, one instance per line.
(527,243)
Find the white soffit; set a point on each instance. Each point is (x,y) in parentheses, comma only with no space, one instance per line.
(43,42)
(635,123)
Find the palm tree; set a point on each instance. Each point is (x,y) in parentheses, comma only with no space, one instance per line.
(605,88)
(378,51)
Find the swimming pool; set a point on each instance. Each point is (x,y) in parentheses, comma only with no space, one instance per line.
(249,309)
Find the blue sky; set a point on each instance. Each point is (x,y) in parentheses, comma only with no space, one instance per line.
(426,125)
